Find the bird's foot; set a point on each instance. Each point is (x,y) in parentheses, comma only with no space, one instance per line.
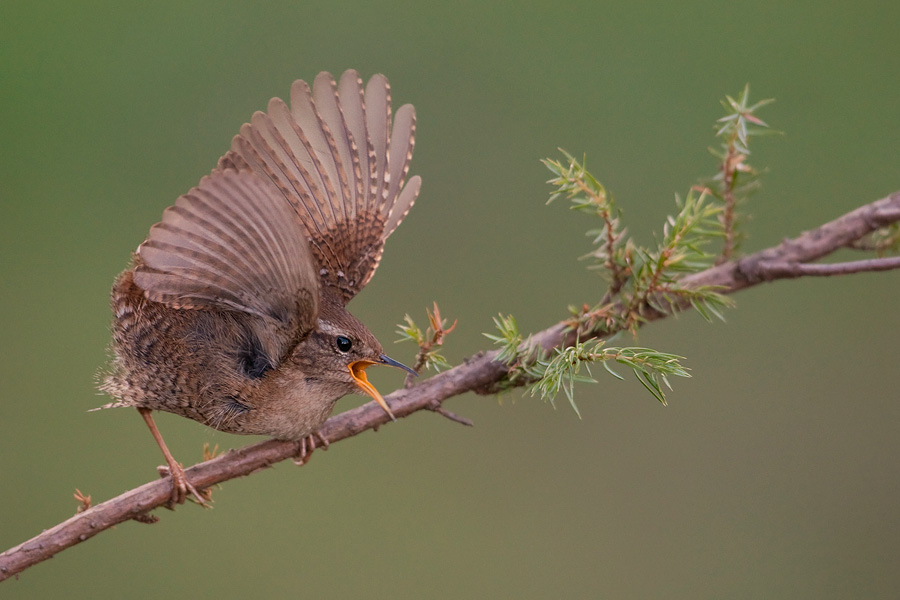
(307,445)
(181,486)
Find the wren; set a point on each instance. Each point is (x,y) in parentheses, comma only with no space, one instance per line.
(232,312)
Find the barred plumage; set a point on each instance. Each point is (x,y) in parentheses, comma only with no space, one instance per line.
(232,312)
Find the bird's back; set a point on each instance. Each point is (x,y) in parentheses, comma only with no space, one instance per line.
(201,364)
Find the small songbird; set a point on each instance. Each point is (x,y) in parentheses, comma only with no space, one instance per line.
(232,311)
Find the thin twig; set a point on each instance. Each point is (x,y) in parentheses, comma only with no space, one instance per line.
(453,416)
(730,166)
(477,374)
(782,270)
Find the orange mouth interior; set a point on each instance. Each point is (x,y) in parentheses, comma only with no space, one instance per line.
(358,372)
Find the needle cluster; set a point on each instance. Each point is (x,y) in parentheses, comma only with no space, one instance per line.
(643,281)
(736,178)
(430,340)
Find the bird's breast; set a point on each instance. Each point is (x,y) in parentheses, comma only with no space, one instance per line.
(288,408)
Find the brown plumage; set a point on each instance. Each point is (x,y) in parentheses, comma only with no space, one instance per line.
(232,311)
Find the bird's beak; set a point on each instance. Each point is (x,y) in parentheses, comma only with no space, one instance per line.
(358,372)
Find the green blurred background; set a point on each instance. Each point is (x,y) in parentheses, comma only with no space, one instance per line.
(773,473)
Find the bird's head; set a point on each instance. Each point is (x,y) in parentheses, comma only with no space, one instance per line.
(342,349)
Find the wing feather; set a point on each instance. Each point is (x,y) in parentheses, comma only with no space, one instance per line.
(378,120)
(332,121)
(231,243)
(351,99)
(338,161)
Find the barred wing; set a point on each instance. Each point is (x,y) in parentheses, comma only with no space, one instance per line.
(232,243)
(341,163)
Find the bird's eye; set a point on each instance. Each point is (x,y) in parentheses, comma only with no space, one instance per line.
(343,343)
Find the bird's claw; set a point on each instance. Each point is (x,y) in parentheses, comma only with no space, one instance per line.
(181,486)
(306,447)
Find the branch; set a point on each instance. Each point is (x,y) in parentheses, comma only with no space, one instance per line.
(480,374)
(783,270)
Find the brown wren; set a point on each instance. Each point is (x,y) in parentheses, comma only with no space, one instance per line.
(232,311)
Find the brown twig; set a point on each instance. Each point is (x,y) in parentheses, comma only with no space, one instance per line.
(783,270)
(731,165)
(478,373)
(452,416)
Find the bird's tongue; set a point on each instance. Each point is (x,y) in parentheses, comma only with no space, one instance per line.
(358,372)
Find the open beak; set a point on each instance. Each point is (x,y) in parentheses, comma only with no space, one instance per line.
(358,372)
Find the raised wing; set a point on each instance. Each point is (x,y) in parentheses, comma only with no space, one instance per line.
(336,158)
(232,243)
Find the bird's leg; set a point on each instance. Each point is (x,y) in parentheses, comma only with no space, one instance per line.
(180,484)
(307,445)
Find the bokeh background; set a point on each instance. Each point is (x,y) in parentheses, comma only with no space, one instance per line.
(773,472)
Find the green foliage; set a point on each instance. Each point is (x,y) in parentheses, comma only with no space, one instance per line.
(882,241)
(509,339)
(641,277)
(644,282)
(561,371)
(741,121)
(587,195)
(429,341)
(736,179)
(548,375)
(658,271)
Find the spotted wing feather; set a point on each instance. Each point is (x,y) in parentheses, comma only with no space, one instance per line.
(231,243)
(337,159)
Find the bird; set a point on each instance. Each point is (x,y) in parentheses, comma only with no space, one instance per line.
(232,311)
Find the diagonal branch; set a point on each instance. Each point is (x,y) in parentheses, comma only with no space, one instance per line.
(479,374)
(782,270)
